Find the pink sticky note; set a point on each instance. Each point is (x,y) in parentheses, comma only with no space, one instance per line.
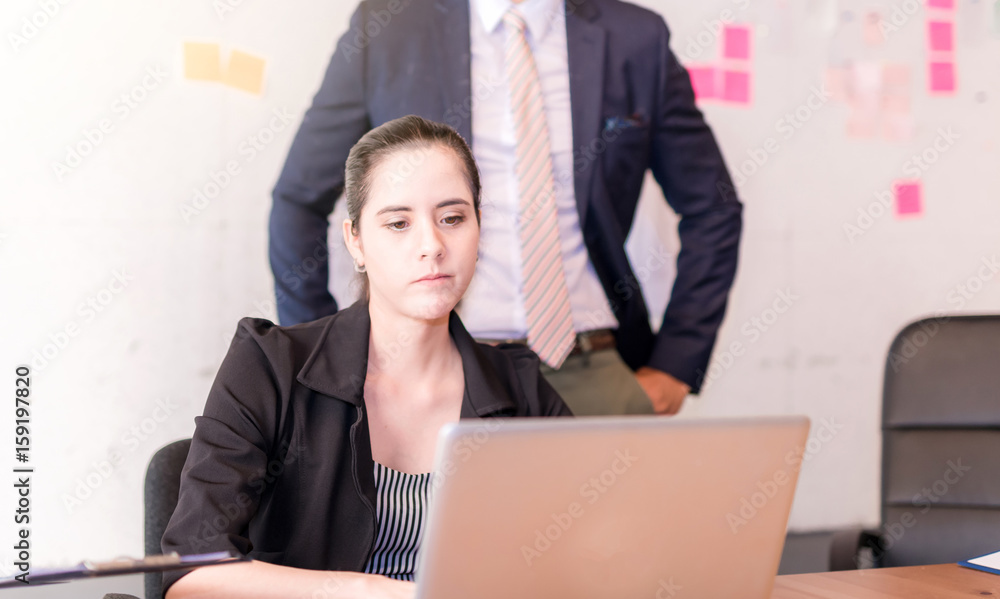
(942,4)
(941,77)
(736,42)
(908,198)
(736,87)
(703,81)
(940,36)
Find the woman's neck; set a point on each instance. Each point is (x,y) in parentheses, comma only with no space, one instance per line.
(405,348)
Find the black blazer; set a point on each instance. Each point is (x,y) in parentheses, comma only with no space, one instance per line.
(280,466)
(633,110)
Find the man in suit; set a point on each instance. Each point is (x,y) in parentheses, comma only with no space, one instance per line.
(566,104)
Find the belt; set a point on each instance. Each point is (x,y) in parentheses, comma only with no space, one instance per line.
(586,342)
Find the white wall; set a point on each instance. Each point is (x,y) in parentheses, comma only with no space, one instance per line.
(152,351)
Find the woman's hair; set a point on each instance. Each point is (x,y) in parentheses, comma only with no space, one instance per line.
(406,133)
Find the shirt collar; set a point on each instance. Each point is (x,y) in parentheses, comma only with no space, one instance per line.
(538,14)
(338,364)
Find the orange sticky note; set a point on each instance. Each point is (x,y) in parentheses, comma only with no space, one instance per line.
(862,123)
(201,61)
(898,126)
(836,79)
(896,76)
(896,103)
(872,31)
(245,71)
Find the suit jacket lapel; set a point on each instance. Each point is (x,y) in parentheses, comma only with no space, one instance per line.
(586,46)
(455,64)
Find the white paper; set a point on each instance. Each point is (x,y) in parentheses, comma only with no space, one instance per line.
(990,561)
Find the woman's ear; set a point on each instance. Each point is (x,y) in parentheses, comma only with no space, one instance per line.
(353,242)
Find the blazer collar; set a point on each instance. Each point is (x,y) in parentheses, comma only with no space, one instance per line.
(338,363)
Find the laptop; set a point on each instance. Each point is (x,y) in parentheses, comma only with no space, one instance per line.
(601,508)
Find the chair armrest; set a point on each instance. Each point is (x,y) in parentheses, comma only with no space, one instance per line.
(845,549)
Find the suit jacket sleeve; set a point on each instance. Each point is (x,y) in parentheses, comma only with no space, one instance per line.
(224,474)
(313,179)
(687,163)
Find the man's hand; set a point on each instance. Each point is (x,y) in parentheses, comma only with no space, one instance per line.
(664,391)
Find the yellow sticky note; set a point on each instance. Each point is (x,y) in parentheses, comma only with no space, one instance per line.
(201,61)
(245,71)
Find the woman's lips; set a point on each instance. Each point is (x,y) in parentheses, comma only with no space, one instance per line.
(436,278)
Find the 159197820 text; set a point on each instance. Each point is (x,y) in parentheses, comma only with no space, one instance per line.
(22,471)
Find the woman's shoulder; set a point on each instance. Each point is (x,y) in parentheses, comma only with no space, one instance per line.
(263,351)
(276,342)
(263,330)
(320,354)
(303,339)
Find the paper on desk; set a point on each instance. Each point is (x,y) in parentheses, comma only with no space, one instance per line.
(991,561)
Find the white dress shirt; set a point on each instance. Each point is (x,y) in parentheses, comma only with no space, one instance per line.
(493,307)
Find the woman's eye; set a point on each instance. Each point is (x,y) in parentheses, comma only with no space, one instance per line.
(398,225)
(454,219)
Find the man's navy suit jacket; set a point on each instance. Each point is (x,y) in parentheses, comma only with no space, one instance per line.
(632,108)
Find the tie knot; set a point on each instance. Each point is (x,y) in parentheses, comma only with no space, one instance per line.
(512,18)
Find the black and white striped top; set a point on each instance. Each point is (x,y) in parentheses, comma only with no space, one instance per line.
(400,511)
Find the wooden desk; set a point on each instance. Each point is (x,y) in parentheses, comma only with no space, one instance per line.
(918,582)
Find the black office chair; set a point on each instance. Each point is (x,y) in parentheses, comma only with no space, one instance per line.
(163,481)
(940,448)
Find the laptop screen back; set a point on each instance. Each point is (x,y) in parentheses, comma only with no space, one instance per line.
(623,507)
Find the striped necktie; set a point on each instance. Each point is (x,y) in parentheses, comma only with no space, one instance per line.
(546,299)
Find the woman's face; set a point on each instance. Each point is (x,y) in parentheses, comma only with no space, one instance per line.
(418,236)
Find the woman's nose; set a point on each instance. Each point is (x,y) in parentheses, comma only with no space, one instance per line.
(431,242)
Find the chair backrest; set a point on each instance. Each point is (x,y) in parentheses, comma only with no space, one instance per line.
(941,442)
(163,480)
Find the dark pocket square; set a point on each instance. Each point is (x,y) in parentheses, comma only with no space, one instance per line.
(624,122)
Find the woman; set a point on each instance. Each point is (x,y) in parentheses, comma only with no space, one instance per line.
(310,431)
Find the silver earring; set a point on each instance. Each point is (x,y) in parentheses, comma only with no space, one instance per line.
(358,267)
